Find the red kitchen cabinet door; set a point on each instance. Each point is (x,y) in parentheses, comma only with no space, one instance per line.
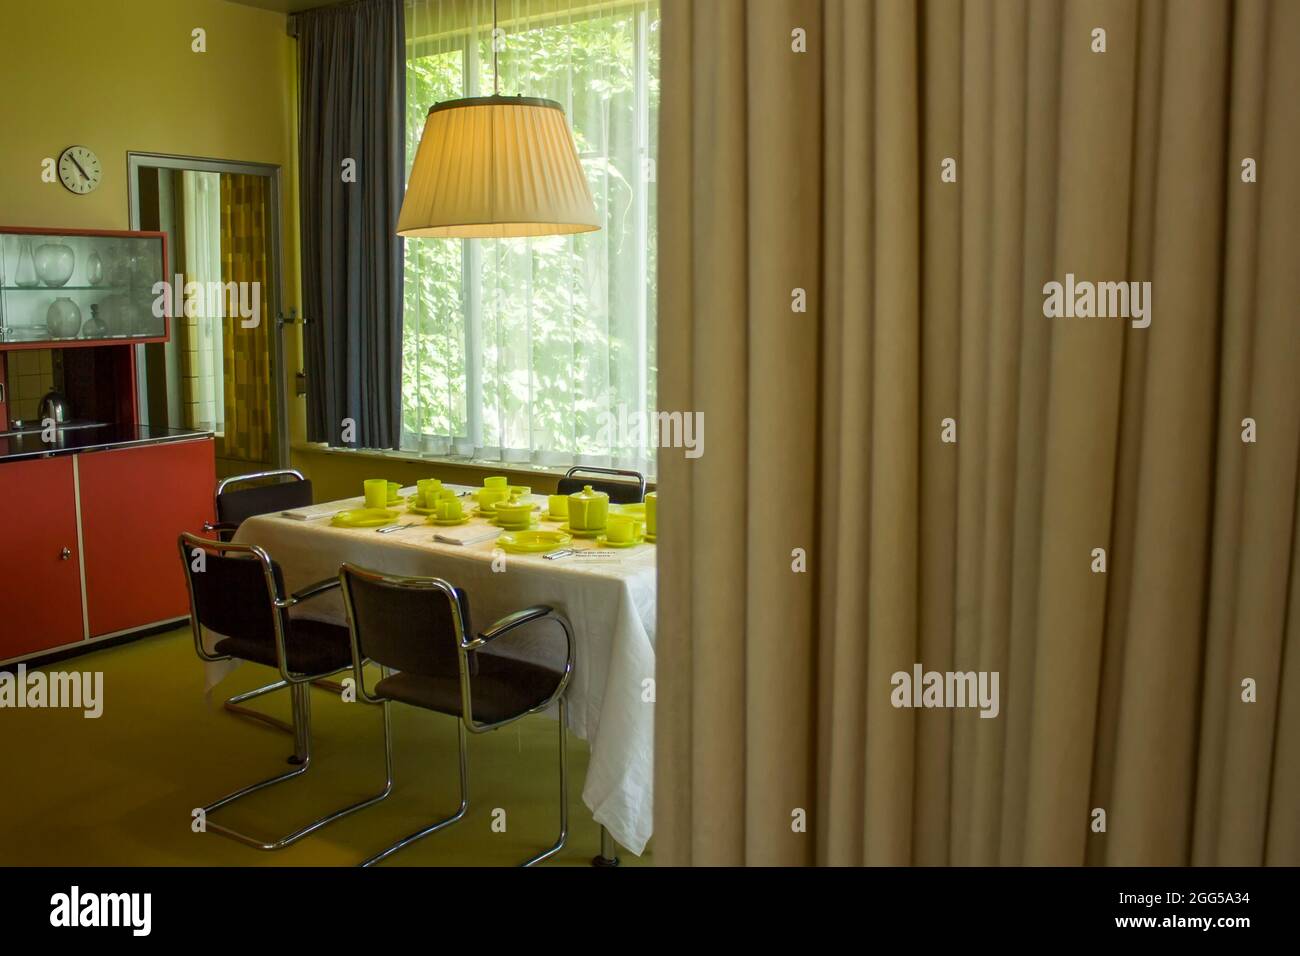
(38,521)
(134,504)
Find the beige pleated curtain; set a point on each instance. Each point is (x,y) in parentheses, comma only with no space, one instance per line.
(1120,691)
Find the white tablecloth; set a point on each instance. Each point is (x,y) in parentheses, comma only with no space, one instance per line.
(611,606)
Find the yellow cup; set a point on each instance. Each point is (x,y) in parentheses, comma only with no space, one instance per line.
(559,505)
(487,497)
(426,492)
(497,481)
(448,509)
(651,503)
(620,529)
(376,490)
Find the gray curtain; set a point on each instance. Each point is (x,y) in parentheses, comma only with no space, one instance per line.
(351,102)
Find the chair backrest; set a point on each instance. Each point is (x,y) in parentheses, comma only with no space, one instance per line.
(236,504)
(620,492)
(406,624)
(233,588)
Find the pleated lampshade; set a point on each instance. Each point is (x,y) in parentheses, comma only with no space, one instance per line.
(491,167)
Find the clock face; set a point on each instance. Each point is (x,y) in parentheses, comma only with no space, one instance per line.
(79,169)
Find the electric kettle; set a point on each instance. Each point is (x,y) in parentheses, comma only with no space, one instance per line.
(54,406)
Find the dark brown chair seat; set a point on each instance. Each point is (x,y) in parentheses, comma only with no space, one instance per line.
(237,597)
(311,647)
(502,688)
(418,631)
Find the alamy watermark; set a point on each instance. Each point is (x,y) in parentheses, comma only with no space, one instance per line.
(1085,300)
(74,690)
(210,300)
(621,428)
(922,688)
(130,910)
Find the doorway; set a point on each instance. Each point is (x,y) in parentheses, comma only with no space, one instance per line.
(222,368)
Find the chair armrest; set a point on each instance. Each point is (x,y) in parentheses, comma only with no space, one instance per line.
(222,528)
(508,623)
(312,590)
(505,625)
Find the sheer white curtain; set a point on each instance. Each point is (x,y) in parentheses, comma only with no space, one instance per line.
(540,350)
(201,369)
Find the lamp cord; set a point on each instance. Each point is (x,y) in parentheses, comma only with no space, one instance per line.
(496,75)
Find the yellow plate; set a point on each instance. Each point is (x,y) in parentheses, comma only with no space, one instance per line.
(533,542)
(448,522)
(604,542)
(517,525)
(364,518)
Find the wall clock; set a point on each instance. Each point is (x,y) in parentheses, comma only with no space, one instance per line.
(79,169)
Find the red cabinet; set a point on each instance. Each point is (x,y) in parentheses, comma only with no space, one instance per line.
(39,568)
(88,541)
(134,503)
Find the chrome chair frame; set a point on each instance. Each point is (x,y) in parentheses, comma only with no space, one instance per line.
(467,723)
(624,472)
(235,704)
(221,527)
(299,685)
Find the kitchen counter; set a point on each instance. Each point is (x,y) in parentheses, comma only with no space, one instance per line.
(90,439)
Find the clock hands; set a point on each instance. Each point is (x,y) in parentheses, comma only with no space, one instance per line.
(84,174)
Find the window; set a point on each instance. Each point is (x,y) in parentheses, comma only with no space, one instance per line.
(540,350)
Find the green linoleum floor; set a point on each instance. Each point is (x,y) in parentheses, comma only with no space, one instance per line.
(119,790)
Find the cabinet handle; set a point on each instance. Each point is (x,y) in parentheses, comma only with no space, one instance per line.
(65,554)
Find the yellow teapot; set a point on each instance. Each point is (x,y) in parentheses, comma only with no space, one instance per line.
(588,509)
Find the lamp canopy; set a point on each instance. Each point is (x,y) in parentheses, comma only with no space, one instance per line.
(493,167)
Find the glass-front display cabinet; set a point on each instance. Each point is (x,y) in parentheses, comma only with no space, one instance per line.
(74,287)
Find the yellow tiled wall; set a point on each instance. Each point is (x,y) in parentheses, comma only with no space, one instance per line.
(30,375)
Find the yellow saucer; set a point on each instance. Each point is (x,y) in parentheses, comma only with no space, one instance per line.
(448,522)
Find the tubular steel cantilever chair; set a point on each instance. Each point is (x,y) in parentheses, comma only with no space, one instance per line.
(237,592)
(419,627)
(620,492)
(233,506)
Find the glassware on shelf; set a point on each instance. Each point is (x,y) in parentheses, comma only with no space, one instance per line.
(74,287)
(54,263)
(94,269)
(25,275)
(63,318)
(94,327)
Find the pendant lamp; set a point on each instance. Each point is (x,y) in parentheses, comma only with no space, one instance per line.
(493,167)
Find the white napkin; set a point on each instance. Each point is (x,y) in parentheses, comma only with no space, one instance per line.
(467,534)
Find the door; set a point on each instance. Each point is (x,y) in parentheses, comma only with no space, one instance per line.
(223,370)
(135,502)
(39,560)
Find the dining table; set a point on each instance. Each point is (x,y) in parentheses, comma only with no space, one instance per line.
(607,594)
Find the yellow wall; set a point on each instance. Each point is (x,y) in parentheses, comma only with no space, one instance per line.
(118,76)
